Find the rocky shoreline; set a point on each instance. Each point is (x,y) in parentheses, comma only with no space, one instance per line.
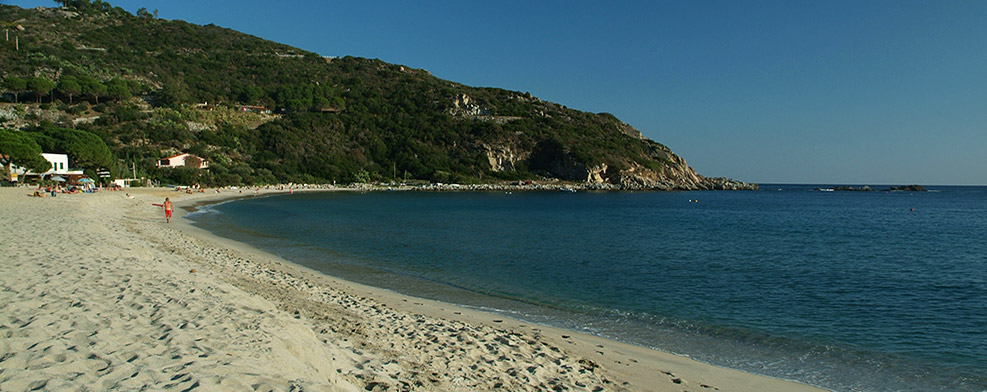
(708,184)
(547,185)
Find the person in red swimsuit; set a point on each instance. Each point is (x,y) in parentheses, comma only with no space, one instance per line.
(167,207)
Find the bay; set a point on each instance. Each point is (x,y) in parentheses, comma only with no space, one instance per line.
(865,291)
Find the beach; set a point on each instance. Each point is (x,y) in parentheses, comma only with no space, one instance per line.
(99,292)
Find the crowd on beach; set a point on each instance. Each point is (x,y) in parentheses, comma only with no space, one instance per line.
(54,190)
(519,186)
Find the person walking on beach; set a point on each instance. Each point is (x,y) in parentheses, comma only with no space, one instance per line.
(167,207)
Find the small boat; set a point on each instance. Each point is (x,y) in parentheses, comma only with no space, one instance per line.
(567,189)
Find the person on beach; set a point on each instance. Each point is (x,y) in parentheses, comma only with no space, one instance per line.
(167,208)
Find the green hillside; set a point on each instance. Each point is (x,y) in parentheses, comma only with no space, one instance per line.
(149,88)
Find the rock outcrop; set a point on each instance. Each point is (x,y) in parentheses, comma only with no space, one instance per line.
(908,188)
(667,171)
(504,158)
(464,105)
(847,188)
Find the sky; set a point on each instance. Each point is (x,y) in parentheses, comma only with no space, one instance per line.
(834,92)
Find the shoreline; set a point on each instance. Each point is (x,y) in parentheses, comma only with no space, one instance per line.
(356,336)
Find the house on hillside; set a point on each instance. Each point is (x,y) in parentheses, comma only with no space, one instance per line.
(330,110)
(254,109)
(187,160)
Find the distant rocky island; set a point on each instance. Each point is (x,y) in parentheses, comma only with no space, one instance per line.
(866,188)
(908,188)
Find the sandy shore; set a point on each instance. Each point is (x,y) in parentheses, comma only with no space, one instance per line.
(97,292)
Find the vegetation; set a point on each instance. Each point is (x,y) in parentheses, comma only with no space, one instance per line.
(21,150)
(148,88)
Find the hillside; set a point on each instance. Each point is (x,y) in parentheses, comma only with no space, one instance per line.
(150,88)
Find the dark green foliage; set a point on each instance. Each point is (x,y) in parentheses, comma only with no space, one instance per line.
(342,119)
(15,85)
(40,87)
(84,148)
(117,89)
(69,85)
(86,6)
(20,149)
(92,87)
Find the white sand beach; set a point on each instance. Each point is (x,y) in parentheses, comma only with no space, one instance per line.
(98,292)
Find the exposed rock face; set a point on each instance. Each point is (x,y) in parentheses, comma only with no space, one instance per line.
(464,105)
(597,174)
(676,176)
(504,158)
(657,168)
(628,130)
(721,183)
(675,173)
(551,158)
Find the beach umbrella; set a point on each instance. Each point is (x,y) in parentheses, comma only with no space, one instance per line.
(58,178)
(87,181)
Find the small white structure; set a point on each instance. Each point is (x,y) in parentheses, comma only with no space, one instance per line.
(127,182)
(59,163)
(59,166)
(183,160)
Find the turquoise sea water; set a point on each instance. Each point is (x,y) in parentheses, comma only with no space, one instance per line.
(850,291)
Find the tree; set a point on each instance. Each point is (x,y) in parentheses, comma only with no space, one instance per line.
(88,150)
(338,103)
(321,103)
(117,89)
(173,93)
(250,94)
(92,87)
(20,149)
(15,85)
(362,176)
(40,87)
(68,85)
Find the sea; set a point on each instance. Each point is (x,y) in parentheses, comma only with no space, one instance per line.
(849,291)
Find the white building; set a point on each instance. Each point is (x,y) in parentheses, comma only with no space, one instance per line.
(183,160)
(59,163)
(59,167)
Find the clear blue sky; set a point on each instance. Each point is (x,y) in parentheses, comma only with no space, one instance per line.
(846,92)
